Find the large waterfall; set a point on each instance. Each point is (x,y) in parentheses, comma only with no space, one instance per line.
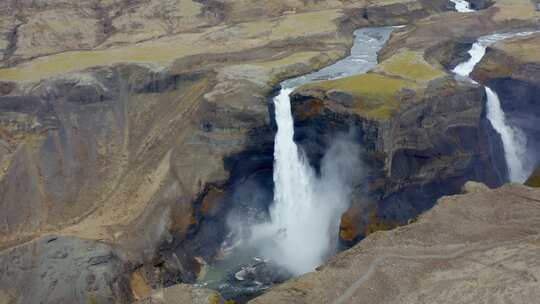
(513,139)
(304,217)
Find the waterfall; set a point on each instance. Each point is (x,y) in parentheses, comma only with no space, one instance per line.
(513,139)
(300,233)
(462,6)
(304,218)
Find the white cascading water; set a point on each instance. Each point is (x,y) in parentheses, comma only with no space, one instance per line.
(462,6)
(304,218)
(304,215)
(514,141)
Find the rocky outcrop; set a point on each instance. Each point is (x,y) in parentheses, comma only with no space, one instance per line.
(58,269)
(512,68)
(183,294)
(419,146)
(468,247)
(424,136)
(534,179)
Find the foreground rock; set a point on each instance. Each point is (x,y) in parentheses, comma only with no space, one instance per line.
(468,248)
(56,269)
(534,179)
(184,294)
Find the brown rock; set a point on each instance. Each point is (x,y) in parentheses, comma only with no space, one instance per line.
(180,294)
(441,258)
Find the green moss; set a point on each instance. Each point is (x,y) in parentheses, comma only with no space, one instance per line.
(376,94)
(410,65)
(301,57)
(378,224)
(534,179)
(214,299)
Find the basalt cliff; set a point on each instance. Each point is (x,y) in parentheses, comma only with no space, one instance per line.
(129,129)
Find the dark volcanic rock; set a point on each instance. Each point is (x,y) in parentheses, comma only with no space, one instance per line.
(512,69)
(431,145)
(57,269)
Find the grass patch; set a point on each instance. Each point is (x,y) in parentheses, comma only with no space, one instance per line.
(534,179)
(410,65)
(301,57)
(375,94)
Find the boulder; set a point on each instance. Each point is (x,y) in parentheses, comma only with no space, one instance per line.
(473,187)
(59,269)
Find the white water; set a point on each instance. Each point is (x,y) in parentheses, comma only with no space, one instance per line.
(306,210)
(304,217)
(462,6)
(513,139)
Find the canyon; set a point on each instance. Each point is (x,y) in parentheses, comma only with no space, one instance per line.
(137,143)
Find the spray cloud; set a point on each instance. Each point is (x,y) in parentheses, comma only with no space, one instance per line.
(304,217)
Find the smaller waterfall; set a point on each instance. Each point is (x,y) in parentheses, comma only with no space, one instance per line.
(462,6)
(514,141)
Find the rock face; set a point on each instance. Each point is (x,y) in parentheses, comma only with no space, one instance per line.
(512,68)
(56,269)
(422,141)
(534,179)
(467,249)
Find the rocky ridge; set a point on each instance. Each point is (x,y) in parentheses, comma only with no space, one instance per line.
(481,246)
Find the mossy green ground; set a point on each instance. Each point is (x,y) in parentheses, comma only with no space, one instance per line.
(377,92)
(534,179)
(410,65)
